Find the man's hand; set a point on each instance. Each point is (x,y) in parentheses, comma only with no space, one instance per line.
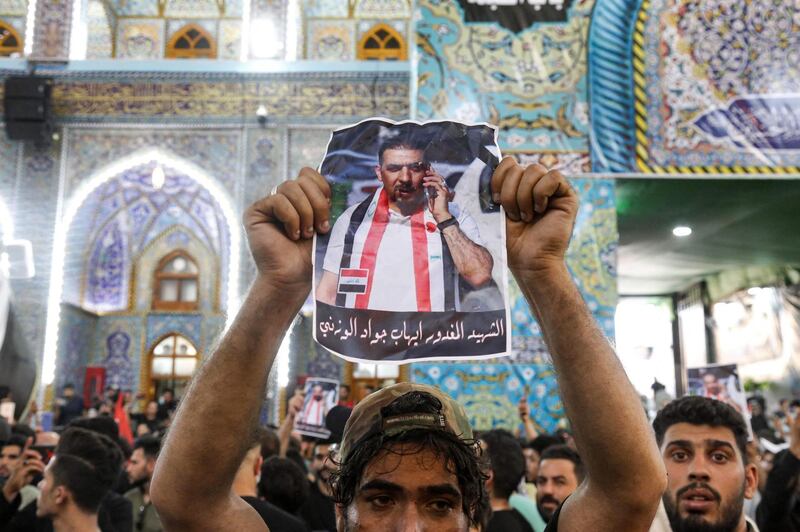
(439,195)
(22,475)
(280,227)
(540,213)
(524,409)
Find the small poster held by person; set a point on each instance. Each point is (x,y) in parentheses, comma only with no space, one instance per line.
(414,267)
(320,395)
(720,382)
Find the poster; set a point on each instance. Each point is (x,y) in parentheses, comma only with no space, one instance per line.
(320,395)
(414,267)
(720,382)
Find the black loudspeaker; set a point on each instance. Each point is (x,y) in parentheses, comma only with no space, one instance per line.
(28,108)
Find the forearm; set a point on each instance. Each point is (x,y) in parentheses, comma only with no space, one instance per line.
(530,429)
(609,424)
(473,262)
(285,434)
(208,438)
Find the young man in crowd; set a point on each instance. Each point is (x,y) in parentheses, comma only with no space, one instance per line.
(140,469)
(505,471)
(75,482)
(703,444)
(780,503)
(245,485)
(318,509)
(11,453)
(395,471)
(559,474)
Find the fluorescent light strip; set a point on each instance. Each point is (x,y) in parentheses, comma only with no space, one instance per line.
(30,23)
(83,192)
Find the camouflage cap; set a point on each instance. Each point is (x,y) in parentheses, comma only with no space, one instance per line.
(367,417)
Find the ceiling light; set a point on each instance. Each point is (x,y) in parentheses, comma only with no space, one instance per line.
(682,230)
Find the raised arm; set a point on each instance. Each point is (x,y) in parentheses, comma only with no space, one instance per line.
(208,439)
(625,473)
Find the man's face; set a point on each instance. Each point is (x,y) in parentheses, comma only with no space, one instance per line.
(708,480)
(555,481)
(321,465)
(531,464)
(167,396)
(139,467)
(401,173)
(316,392)
(400,491)
(9,458)
(68,392)
(49,493)
(344,393)
(152,409)
(711,383)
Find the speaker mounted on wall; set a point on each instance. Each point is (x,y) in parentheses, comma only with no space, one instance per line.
(28,107)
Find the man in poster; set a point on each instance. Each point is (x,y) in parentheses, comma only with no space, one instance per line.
(405,247)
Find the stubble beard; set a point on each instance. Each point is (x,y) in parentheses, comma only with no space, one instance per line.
(730,515)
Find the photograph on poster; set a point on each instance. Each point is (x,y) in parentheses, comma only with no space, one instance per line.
(414,267)
(720,382)
(320,395)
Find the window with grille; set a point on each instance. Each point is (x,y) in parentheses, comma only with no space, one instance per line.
(176,283)
(191,42)
(382,43)
(172,362)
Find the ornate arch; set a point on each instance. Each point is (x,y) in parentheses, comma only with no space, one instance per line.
(191,42)
(382,43)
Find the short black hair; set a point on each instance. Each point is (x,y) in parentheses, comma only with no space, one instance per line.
(565,452)
(283,484)
(68,385)
(506,461)
(17,440)
(24,430)
(542,442)
(270,443)
(104,425)
(461,457)
(87,464)
(405,140)
(150,445)
(697,410)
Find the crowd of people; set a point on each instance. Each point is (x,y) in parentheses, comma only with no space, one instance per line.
(405,457)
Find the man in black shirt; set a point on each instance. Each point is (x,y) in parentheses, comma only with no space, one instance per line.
(318,510)
(245,485)
(506,469)
(420,477)
(779,510)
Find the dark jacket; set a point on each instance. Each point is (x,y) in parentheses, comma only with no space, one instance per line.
(779,510)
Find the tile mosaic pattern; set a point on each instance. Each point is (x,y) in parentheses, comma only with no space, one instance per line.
(532,84)
(698,58)
(100,43)
(52,34)
(140,39)
(381,9)
(490,392)
(209,98)
(331,40)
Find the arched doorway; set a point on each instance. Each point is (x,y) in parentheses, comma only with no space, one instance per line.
(171,363)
